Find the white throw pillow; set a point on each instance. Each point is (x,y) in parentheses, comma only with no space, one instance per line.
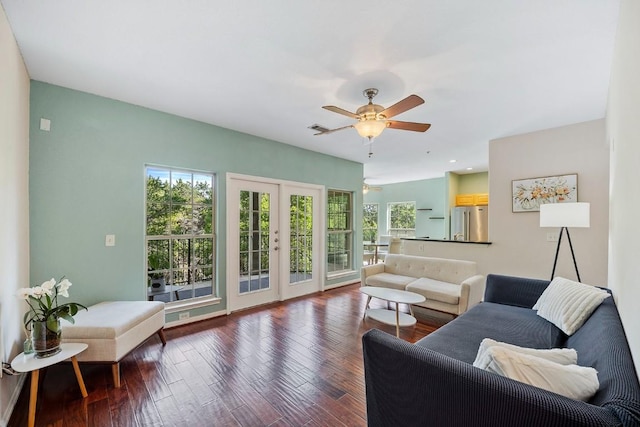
(568,304)
(576,382)
(563,356)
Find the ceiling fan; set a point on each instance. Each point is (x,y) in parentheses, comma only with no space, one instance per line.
(372,118)
(366,188)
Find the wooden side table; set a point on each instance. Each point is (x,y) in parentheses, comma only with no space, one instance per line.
(30,363)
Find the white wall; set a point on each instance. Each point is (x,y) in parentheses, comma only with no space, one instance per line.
(14,214)
(519,245)
(622,125)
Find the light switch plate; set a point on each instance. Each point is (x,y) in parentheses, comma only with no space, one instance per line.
(110,240)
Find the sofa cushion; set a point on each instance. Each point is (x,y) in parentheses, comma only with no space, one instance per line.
(388,280)
(568,304)
(563,356)
(111,319)
(436,290)
(446,270)
(573,381)
(461,338)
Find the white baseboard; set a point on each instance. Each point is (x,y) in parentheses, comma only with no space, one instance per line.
(6,415)
(195,319)
(341,284)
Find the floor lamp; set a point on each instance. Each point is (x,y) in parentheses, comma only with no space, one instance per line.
(564,215)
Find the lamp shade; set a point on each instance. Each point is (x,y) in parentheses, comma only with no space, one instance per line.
(370,128)
(564,215)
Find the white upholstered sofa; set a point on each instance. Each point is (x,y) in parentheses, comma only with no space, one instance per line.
(449,285)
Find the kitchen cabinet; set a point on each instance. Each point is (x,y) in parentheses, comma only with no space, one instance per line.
(464,200)
(481,199)
(472,199)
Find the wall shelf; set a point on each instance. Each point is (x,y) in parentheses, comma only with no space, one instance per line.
(424,209)
(436,217)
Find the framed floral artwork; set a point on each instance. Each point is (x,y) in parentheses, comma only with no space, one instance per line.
(529,194)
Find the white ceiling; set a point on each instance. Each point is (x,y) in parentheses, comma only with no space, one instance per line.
(487,69)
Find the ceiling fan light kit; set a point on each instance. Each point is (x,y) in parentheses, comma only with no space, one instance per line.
(370,128)
(366,188)
(372,118)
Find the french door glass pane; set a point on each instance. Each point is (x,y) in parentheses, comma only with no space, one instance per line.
(254,231)
(370,222)
(300,238)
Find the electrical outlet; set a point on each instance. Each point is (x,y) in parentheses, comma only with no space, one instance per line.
(110,240)
(552,237)
(45,125)
(183,316)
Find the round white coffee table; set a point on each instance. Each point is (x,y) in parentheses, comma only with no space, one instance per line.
(30,363)
(388,317)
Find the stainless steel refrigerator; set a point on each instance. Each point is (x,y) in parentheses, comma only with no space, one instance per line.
(470,223)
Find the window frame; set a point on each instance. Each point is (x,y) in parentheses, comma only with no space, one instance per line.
(347,231)
(396,231)
(170,237)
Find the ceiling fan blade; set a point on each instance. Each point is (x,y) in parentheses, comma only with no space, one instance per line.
(333,130)
(416,127)
(400,107)
(341,111)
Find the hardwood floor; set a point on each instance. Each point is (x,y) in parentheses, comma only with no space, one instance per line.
(296,363)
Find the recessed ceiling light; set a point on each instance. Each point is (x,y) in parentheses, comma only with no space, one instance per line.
(469,169)
(452,161)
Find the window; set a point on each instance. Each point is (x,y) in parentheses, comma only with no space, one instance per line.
(179,234)
(339,231)
(402,219)
(370,222)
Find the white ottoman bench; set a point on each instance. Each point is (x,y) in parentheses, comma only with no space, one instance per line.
(113,329)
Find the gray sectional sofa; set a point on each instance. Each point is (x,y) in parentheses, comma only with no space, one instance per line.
(433,382)
(449,285)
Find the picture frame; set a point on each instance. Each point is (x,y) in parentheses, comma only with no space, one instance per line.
(528,194)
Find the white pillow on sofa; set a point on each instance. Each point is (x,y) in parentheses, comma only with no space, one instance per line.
(563,356)
(576,382)
(568,304)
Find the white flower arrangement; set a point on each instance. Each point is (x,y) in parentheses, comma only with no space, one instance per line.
(43,302)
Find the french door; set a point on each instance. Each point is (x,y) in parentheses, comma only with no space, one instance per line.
(253,243)
(303,228)
(273,241)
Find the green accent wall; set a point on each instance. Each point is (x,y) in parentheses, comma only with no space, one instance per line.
(473,183)
(427,193)
(437,194)
(87,180)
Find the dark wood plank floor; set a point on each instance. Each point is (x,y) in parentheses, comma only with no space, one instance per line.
(296,363)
